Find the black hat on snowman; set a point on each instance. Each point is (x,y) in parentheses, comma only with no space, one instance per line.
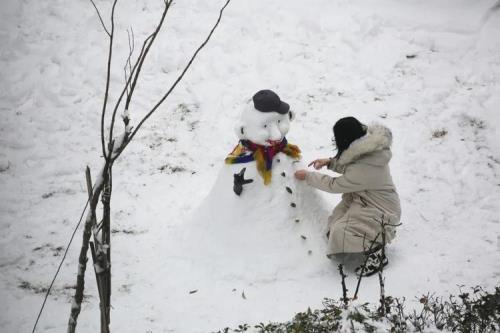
(268,101)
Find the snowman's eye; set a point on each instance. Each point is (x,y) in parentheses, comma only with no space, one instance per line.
(279,121)
(265,126)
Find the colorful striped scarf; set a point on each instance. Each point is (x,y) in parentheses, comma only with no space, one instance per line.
(247,151)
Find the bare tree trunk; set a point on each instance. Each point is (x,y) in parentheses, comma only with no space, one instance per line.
(99,289)
(90,221)
(94,259)
(100,251)
(105,251)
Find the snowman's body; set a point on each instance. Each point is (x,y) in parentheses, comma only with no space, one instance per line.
(266,230)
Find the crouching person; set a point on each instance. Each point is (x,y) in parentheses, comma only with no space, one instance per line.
(369,197)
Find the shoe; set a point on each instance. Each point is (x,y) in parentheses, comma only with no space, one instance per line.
(375,262)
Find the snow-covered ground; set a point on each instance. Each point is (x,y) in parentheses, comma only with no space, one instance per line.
(430,70)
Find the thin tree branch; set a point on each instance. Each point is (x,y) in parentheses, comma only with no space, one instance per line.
(100,18)
(143,58)
(137,69)
(108,75)
(131,46)
(127,84)
(179,78)
(128,63)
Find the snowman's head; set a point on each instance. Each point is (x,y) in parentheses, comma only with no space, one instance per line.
(265,120)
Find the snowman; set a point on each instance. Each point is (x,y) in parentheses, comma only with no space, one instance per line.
(259,234)
(257,223)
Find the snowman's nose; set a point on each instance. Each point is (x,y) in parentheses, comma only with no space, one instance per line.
(274,133)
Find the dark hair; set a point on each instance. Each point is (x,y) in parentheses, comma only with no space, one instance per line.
(345,131)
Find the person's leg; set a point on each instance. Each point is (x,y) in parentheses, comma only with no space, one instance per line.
(338,212)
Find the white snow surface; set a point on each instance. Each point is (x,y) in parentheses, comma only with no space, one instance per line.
(429,70)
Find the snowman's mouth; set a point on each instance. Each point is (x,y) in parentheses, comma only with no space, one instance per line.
(273,142)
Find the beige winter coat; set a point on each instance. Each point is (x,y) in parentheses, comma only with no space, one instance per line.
(368,193)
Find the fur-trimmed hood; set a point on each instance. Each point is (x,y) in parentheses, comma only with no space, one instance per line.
(377,138)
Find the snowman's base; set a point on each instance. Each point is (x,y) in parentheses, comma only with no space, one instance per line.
(266,231)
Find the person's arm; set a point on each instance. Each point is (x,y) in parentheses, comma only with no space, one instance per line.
(343,184)
(334,166)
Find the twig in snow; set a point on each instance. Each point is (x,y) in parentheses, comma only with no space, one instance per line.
(381,278)
(363,267)
(344,288)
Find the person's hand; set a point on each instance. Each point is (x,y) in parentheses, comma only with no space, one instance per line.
(300,174)
(319,163)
